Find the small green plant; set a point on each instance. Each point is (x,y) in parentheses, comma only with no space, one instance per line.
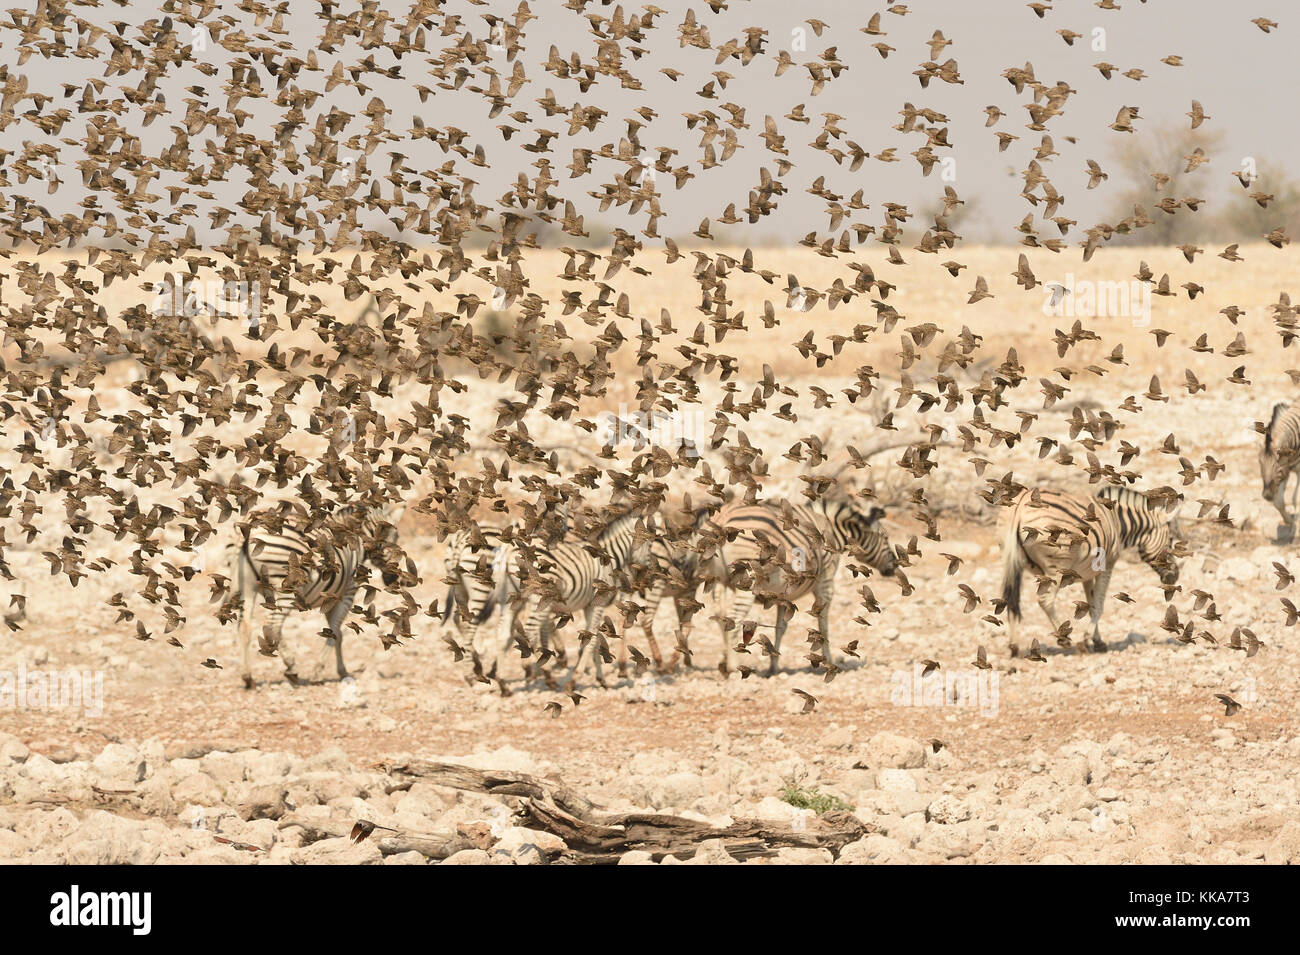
(818,802)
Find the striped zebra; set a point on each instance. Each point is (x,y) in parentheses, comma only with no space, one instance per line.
(670,570)
(563,580)
(475,561)
(1280,457)
(298,563)
(777,552)
(1067,537)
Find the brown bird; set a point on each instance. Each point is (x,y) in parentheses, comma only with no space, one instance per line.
(1230,706)
(362,829)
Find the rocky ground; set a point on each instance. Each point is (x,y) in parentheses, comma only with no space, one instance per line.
(1117,757)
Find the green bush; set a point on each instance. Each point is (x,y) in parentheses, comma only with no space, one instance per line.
(818,802)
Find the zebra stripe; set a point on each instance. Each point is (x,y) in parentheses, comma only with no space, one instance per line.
(1280,457)
(300,564)
(777,552)
(1065,537)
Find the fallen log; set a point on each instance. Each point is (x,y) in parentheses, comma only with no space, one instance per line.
(431,845)
(594,835)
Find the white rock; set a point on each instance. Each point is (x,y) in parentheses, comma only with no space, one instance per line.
(895,780)
(528,846)
(948,810)
(468,857)
(891,751)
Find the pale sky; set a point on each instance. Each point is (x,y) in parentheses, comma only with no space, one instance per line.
(1244,78)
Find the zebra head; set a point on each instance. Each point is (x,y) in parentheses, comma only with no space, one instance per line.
(1277,459)
(1163,563)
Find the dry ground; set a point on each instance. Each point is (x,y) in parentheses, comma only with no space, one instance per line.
(1122,756)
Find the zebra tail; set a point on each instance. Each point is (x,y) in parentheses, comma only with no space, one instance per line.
(1013,568)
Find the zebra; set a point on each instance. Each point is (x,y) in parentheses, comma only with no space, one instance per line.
(779,551)
(475,561)
(564,579)
(1280,457)
(671,570)
(1067,537)
(296,563)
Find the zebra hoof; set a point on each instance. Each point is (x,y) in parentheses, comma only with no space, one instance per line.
(249,682)
(293,678)
(1098,646)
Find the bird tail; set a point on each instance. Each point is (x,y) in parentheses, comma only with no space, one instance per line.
(1013,568)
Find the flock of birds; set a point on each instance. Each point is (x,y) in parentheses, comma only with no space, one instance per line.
(307,196)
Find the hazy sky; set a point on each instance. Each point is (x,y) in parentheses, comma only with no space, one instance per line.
(1243,77)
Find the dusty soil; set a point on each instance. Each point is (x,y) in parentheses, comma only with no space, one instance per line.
(1081,757)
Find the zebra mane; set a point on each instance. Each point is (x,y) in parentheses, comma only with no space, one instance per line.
(1278,410)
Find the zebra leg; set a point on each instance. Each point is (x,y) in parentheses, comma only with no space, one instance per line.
(593,619)
(742,602)
(1048,602)
(273,636)
(782,621)
(547,639)
(243,580)
(652,601)
(336,615)
(505,632)
(685,613)
(1096,594)
(539,628)
(823,592)
(596,617)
